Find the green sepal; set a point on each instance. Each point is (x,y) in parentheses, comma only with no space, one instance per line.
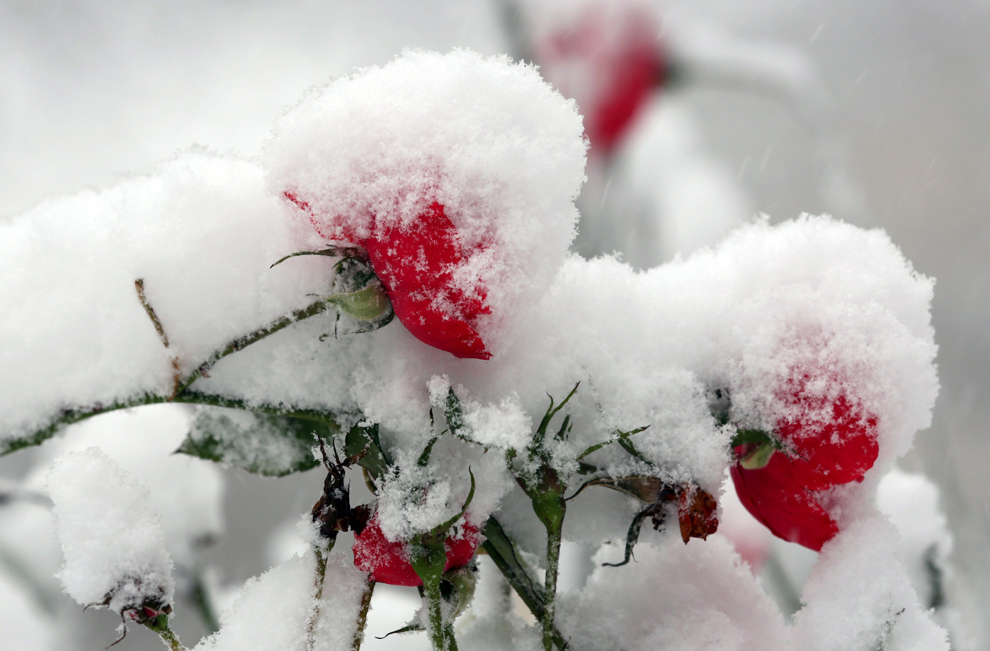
(757,436)
(619,436)
(758,458)
(360,438)
(632,537)
(346,252)
(645,488)
(365,304)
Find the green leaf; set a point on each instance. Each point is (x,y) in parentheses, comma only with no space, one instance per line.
(454,414)
(264,444)
(503,552)
(361,438)
(758,458)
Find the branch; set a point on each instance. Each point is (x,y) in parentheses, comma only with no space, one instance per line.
(69,416)
(502,550)
(243,342)
(176,373)
(181,392)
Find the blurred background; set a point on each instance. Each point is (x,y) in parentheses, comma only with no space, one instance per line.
(876,112)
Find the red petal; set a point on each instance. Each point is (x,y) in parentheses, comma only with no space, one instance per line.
(634,72)
(388,561)
(415,264)
(836,452)
(787,508)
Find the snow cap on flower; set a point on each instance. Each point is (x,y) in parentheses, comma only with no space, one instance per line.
(826,438)
(457,174)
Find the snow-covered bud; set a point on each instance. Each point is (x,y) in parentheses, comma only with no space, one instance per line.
(113,544)
(456,174)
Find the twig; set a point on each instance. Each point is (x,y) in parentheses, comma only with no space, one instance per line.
(181,392)
(321,575)
(176,373)
(362,620)
(70,416)
(243,342)
(200,596)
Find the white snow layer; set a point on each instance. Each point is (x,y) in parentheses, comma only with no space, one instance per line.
(688,597)
(860,596)
(278,610)
(112,541)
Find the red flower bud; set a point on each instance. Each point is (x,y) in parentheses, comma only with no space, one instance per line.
(829,442)
(608,61)
(416,264)
(388,562)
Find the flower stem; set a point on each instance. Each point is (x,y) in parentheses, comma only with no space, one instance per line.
(160,626)
(243,342)
(320,579)
(200,596)
(171,640)
(362,620)
(550,585)
(440,635)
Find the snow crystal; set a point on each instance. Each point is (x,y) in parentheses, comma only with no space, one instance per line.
(417,499)
(113,543)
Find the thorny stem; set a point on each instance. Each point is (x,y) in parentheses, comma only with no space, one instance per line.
(171,640)
(550,587)
(180,392)
(321,575)
(160,625)
(70,416)
(362,619)
(241,343)
(438,631)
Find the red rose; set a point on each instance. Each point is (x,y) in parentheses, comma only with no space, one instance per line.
(388,562)
(829,442)
(416,265)
(609,62)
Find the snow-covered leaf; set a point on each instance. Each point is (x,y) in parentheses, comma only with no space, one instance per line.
(264,444)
